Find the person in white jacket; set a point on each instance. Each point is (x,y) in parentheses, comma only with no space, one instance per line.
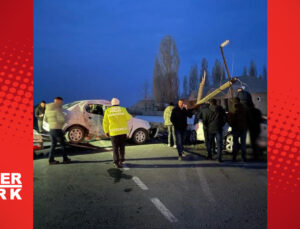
(55,117)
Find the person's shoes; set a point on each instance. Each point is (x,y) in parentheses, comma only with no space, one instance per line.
(184,154)
(174,146)
(169,145)
(209,158)
(116,165)
(67,160)
(122,161)
(180,158)
(53,162)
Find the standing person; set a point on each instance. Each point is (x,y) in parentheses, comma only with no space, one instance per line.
(39,114)
(215,119)
(202,114)
(238,121)
(245,97)
(254,120)
(170,126)
(55,117)
(115,124)
(179,120)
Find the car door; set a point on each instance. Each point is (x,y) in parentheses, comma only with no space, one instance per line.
(93,116)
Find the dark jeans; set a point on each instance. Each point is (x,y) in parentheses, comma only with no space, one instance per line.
(171,134)
(211,144)
(254,134)
(180,140)
(56,135)
(205,131)
(239,145)
(118,143)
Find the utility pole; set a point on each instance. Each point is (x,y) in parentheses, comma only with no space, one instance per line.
(226,67)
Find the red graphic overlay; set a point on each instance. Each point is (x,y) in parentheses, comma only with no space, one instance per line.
(283,114)
(16,112)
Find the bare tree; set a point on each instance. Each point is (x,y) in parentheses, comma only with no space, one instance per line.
(185,87)
(165,74)
(264,74)
(193,79)
(218,73)
(204,68)
(252,69)
(146,93)
(158,92)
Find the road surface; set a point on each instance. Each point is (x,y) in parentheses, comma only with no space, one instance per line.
(154,190)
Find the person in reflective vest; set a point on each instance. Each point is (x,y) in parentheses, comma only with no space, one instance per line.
(115,125)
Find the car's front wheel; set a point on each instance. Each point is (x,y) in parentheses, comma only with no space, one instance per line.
(229,143)
(76,134)
(140,136)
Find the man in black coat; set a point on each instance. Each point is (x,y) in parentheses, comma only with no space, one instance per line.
(215,119)
(202,114)
(179,120)
(39,114)
(239,123)
(254,121)
(244,97)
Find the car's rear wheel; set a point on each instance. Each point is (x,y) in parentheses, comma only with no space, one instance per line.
(76,134)
(229,143)
(140,136)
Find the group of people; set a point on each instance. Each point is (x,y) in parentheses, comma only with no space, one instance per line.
(242,117)
(115,126)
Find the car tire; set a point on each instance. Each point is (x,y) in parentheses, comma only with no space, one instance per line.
(76,134)
(140,136)
(229,143)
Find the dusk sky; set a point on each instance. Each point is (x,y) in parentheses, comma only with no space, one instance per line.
(99,49)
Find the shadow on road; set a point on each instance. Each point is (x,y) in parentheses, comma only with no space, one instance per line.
(118,174)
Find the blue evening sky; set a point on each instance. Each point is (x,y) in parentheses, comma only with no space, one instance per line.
(99,49)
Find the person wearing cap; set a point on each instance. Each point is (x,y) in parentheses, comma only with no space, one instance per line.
(115,125)
(55,117)
(39,113)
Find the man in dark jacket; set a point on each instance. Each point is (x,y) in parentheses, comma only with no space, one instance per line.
(215,119)
(179,120)
(254,120)
(202,114)
(238,121)
(39,114)
(245,97)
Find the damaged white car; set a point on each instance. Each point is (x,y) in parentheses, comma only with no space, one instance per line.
(84,118)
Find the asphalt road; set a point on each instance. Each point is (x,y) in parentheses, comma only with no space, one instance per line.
(154,190)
